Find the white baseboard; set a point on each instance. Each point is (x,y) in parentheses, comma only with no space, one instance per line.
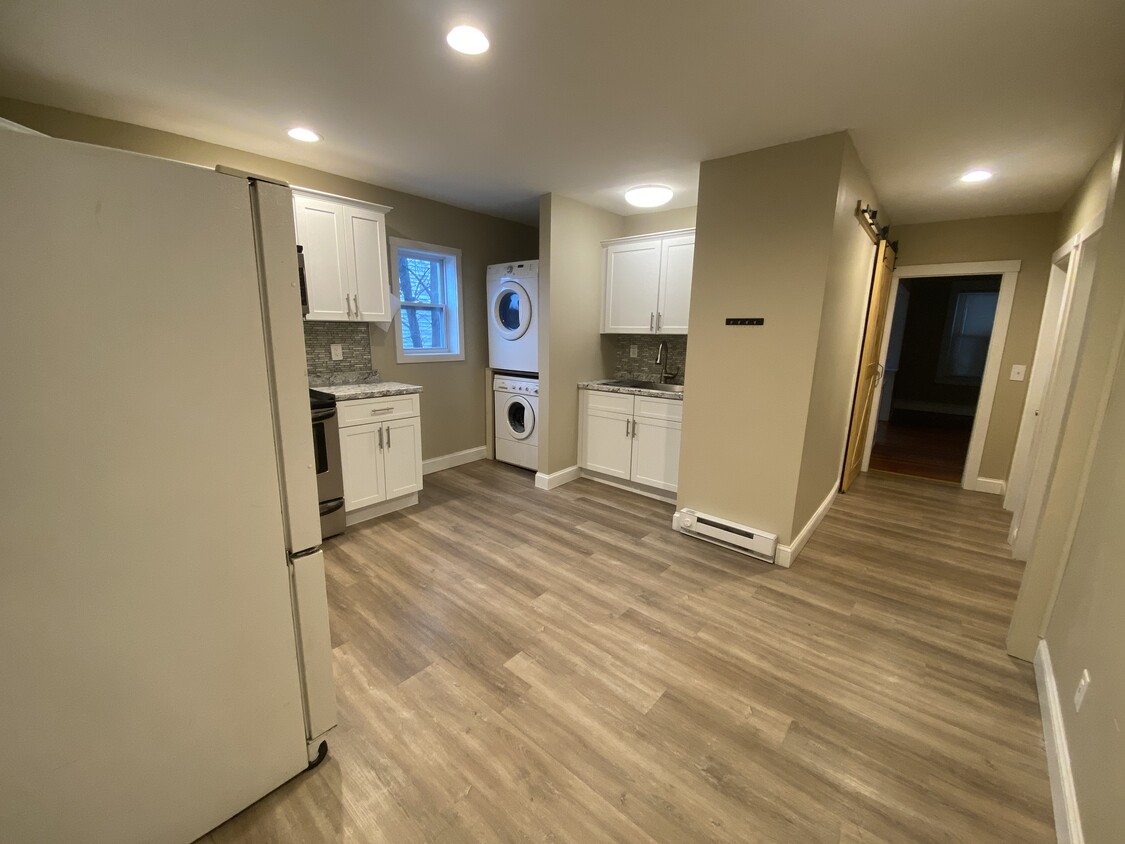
(992,485)
(457,458)
(1068,824)
(640,489)
(786,554)
(363,514)
(556,479)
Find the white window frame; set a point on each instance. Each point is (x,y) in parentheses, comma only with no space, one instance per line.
(452,301)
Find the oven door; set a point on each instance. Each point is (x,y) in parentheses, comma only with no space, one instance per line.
(326,449)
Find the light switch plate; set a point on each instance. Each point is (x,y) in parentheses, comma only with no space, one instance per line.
(1018,372)
(632,351)
(337,351)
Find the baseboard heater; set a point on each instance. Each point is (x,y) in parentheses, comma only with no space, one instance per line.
(746,540)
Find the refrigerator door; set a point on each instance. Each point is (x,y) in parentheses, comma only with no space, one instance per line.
(146,625)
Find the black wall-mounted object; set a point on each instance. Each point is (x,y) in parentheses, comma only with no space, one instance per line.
(746,320)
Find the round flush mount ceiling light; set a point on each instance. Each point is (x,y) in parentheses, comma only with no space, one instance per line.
(977,176)
(467,39)
(648,196)
(300,133)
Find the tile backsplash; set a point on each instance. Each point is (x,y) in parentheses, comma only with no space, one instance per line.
(642,366)
(319,337)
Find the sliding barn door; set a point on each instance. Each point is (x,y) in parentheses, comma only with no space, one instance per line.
(870,373)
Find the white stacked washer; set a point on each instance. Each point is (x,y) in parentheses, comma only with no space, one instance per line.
(513,316)
(517,423)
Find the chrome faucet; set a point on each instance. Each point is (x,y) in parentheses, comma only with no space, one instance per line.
(662,359)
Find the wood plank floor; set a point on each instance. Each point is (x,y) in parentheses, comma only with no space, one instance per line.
(937,453)
(519,665)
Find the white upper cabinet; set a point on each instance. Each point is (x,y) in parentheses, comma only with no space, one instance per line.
(345,248)
(647,284)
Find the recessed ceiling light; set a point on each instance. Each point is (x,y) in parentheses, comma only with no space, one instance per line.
(648,196)
(300,133)
(467,39)
(977,176)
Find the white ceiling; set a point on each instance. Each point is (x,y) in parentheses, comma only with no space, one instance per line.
(587,98)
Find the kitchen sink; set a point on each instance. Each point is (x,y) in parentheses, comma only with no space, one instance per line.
(644,385)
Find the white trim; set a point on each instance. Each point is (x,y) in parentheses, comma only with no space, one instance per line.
(457,458)
(995,486)
(1009,272)
(556,479)
(786,554)
(351,200)
(648,236)
(1064,798)
(667,496)
(453,307)
(363,514)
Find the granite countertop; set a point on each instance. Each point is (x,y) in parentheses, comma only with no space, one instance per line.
(604,387)
(352,386)
(371,390)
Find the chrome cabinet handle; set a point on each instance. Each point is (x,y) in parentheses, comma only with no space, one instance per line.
(348,299)
(634,429)
(380,438)
(659,319)
(382,410)
(357,313)
(652,321)
(627,421)
(388,436)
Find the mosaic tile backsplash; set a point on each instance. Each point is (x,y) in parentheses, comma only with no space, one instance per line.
(642,367)
(319,336)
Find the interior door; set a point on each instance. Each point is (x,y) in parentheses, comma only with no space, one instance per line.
(632,287)
(869,375)
(320,229)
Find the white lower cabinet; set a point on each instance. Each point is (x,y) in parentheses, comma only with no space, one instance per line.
(381,460)
(632,438)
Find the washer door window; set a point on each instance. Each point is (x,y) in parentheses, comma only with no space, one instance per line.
(511,310)
(519,417)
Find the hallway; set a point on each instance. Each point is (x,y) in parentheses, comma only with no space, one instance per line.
(518,665)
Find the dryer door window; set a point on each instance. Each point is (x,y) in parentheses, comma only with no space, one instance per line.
(511,310)
(520,417)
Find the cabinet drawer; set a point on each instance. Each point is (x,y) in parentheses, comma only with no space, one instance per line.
(609,402)
(647,407)
(358,412)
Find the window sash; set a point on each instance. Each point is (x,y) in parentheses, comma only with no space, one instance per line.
(412,329)
(437,281)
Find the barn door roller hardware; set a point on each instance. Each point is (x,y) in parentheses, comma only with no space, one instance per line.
(867,219)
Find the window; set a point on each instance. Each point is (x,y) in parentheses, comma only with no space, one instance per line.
(965,347)
(430,324)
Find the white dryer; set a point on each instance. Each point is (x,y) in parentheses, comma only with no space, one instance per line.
(513,316)
(517,420)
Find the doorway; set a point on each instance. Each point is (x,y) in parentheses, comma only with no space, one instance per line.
(931,414)
(940,332)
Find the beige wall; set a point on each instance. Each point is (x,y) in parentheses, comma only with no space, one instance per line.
(763,242)
(1087,624)
(571,348)
(659,221)
(1030,238)
(841,334)
(453,403)
(1046,561)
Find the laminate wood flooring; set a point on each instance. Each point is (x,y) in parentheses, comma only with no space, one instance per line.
(520,665)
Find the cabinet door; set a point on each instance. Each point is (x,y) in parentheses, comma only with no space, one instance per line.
(676,259)
(366,244)
(608,443)
(656,453)
(320,230)
(362,463)
(632,284)
(402,456)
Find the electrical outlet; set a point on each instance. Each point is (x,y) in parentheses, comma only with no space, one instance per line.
(337,351)
(632,351)
(1018,371)
(1080,692)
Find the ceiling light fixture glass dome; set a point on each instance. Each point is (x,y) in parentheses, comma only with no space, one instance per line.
(977,176)
(467,39)
(300,133)
(648,196)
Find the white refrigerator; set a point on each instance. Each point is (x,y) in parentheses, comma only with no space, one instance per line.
(164,648)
